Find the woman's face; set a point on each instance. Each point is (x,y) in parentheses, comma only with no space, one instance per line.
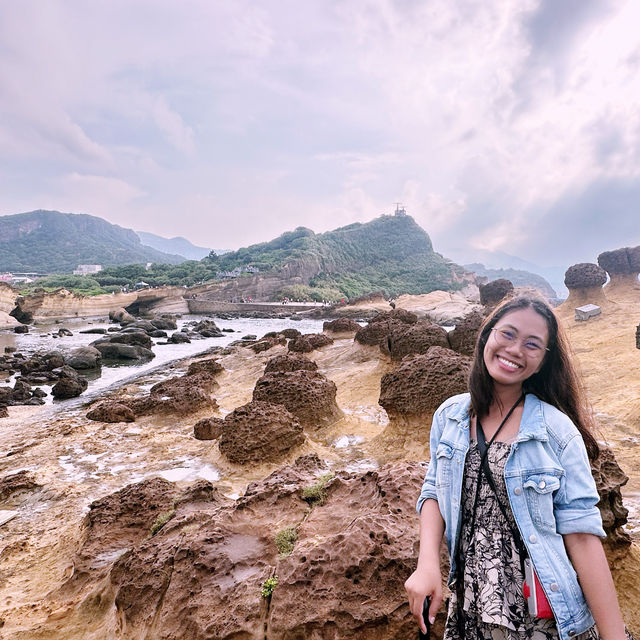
(516,347)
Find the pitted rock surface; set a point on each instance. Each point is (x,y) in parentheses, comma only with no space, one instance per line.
(625,261)
(268,342)
(70,384)
(463,338)
(610,479)
(379,327)
(109,411)
(290,333)
(410,339)
(259,431)
(308,395)
(290,362)
(200,576)
(340,325)
(309,342)
(421,383)
(210,365)
(495,291)
(208,429)
(584,275)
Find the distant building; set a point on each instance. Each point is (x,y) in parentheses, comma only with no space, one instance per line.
(400,210)
(86,269)
(6,277)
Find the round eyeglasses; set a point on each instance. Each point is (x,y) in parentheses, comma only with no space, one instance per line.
(508,337)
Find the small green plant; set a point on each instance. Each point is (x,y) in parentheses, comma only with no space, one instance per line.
(285,539)
(161,520)
(316,494)
(268,586)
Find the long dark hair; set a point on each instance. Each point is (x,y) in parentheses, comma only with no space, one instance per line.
(557,381)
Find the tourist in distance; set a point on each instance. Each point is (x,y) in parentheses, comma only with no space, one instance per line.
(526,504)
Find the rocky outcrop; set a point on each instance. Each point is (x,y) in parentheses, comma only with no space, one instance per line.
(308,395)
(290,362)
(341,325)
(584,281)
(463,338)
(136,338)
(421,383)
(376,331)
(120,351)
(309,342)
(8,297)
(201,575)
(268,342)
(85,358)
(208,429)
(623,267)
(441,307)
(110,411)
(411,339)
(70,384)
(259,432)
(492,293)
(210,365)
(610,479)
(121,316)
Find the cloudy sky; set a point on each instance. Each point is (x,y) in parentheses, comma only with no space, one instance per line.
(502,125)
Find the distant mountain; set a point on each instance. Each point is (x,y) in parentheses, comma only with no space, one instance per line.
(180,246)
(391,253)
(518,277)
(54,242)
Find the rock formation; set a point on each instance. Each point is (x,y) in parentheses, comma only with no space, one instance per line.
(411,339)
(623,267)
(201,574)
(308,395)
(492,293)
(422,382)
(267,342)
(259,431)
(341,325)
(584,281)
(85,358)
(208,429)
(309,342)
(463,338)
(70,384)
(290,362)
(110,411)
(379,327)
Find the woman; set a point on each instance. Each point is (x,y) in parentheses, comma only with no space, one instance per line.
(533,499)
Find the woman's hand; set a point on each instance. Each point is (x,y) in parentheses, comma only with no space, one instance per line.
(421,583)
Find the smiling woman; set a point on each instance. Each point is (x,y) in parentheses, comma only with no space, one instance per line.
(517,492)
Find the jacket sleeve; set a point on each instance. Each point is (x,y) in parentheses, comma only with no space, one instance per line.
(575,502)
(429,485)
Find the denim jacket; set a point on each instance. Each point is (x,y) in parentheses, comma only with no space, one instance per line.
(550,488)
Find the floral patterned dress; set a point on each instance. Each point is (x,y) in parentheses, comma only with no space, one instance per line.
(493,606)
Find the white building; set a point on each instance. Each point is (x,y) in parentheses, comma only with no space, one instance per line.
(86,269)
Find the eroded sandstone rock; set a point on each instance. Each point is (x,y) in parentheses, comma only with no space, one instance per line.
(421,383)
(309,342)
(109,411)
(208,429)
(210,365)
(410,339)
(259,431)
(267,342)
(379,327)
(495,291)
(584,281)
(463,338)
(290,362)
(308,395)
(340,325)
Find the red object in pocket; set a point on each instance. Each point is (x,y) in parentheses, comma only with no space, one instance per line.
(534,594)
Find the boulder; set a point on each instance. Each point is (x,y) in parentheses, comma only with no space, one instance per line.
(422,382)
(136,338)
(121,316)
(340,325)
(259,432)
(309,342)
(290,362)
(53,360)
(85,358)
(64,332)
(208,429)
(164,323)
(140,325)
(625,261)
(4,412)
(463,338)
(208,329)
(179,337)
(210,365)
(308,395)
(68,388)
(291,333)
(495,291)
(119,351)
(97,330)
(379,327)
(410,339)
(21,328)
(266,343)
(110,411)
(21,391)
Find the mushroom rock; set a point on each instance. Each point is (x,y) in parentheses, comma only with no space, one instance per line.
(109,411)
(623,267)
(610,479)
(308,395)
(309,342)
(410,339)
(290,362)
(341,325)
(422,382)
(208,429)
(495,291)
(463,338)
(259,432)
(200,576)
(584,281)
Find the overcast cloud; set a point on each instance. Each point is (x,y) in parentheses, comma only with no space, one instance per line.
(508,125)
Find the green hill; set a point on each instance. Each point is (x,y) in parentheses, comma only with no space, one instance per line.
(390,253)
(54,242)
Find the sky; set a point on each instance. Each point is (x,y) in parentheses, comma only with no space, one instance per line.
(501,125)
